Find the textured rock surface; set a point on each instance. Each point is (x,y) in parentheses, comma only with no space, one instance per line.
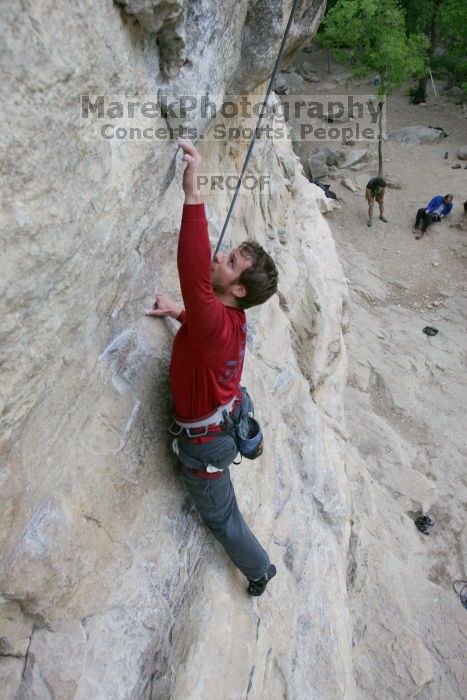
(399,466)
(111,587)
(166,20)
(317,165)
(354,157)
(332,157)
(308,73)
(288,82)
(349,184)
(417,135)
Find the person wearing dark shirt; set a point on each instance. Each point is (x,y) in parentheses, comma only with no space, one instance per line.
(206,368)
(436,209)
(375,190)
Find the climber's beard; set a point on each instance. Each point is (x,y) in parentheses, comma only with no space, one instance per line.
(218,288)
(223,280)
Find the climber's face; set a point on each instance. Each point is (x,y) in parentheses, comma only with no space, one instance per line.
(226,270)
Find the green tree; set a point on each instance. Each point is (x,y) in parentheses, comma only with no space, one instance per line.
(453,34)
(371,37)
(444,23)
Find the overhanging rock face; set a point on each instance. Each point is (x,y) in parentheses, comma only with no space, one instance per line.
(110,586)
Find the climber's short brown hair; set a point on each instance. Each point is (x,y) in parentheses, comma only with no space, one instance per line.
(260,279)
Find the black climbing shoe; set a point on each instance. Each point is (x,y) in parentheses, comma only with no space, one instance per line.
(462,593)
(421,526)
(383,219)
(423,522)
(258,587)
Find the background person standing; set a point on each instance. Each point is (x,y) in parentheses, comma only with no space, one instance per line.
(375,190)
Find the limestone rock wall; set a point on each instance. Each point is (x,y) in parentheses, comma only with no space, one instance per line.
(110,586)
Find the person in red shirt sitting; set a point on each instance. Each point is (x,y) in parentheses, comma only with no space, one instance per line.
(206,368)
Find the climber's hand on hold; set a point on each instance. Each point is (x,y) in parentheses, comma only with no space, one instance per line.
(193,159)
(164,306)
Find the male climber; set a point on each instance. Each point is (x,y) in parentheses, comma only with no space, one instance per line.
(206,368)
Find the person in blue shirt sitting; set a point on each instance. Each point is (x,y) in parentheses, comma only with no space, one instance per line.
(437,209)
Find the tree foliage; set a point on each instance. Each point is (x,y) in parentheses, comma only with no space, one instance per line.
(371,36)
(444,23)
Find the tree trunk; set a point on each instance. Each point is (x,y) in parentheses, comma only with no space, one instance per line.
(380,139)
(432,35)
(422,84)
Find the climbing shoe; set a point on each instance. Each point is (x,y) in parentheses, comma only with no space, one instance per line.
(258,587)
(370,222)
(462,593)
(423,522)
(383,218)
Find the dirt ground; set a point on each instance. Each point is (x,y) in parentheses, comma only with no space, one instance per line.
(421,172)
(406,404)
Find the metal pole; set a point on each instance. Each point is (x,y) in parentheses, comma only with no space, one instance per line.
(433,83)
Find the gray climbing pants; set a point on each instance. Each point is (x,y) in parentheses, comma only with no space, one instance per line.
(216,502)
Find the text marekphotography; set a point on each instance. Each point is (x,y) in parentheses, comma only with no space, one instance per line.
(163,118)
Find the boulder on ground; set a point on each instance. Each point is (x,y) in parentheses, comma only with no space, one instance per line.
(349,184)
(343,77)
(462,153)
(332,157)
(334,116)
(307,72)
(417,135)
(358,167)
(456,93)
(317,165)
(286,83)
(353,157)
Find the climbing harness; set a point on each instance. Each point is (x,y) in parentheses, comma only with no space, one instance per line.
(240,433)
(244,428)
(199,428)
(260,119)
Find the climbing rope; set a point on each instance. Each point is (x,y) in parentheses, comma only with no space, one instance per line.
(260,118)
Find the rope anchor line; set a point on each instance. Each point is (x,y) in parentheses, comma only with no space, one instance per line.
(260,119)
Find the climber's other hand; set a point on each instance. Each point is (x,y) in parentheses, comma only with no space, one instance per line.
(164,306)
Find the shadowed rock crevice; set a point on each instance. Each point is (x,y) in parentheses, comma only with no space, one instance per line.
(166,20)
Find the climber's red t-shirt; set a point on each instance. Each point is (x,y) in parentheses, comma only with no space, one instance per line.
(208,350)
